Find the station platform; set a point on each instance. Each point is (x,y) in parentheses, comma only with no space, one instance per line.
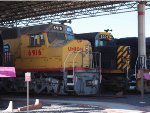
(71,105)
(109,107)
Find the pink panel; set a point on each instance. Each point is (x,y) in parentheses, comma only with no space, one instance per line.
(147,76)
(7,72)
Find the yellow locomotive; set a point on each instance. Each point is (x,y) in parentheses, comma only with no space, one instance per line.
(58,63)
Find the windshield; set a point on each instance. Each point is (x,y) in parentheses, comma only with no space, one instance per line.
(106,43)
(55,36)
(69,34)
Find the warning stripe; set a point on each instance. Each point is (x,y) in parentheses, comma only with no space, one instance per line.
(118,61)
(124,66)
(119,48)
(125,54)
(123,57)
(122,50)
(119,66)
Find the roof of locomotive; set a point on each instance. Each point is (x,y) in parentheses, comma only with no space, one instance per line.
(90,36)
(86,35)
(11,33)
(131,41)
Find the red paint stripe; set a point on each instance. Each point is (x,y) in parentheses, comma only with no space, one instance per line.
(49,69)
(140,13)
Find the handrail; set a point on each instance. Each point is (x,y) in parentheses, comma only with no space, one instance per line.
(100,65)
(98,53)
(99,62)
(98,68)
(74,61)
(66,60)
(143,66)
(8,59)
(136,65)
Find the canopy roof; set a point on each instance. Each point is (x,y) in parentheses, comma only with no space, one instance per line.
(14,13)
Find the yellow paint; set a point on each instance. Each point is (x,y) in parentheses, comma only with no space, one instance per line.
(119,61)
(47,55)
(123,57)
(119,48)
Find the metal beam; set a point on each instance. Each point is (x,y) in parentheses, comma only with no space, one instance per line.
(33,14)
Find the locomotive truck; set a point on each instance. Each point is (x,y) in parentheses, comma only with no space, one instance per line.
(59,63)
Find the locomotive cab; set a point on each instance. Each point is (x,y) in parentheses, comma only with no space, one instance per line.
(49,36)
(113,56)
(48,48)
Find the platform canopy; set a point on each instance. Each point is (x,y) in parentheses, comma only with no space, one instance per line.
(24,13)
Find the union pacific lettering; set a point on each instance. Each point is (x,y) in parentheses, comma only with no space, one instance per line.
(75,49)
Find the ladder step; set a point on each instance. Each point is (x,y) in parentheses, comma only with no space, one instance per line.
(69,76)
(70,88)
(70,84)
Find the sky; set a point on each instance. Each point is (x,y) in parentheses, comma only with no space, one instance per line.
(122,25)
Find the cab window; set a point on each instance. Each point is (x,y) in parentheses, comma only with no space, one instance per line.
(69,34)
(107,43)
(55,36)
(37,40)
(42,39)
(102,43)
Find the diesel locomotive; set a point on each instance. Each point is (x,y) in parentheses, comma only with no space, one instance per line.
(59,63)
(115,60)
